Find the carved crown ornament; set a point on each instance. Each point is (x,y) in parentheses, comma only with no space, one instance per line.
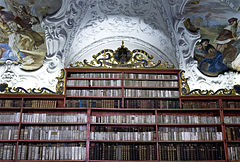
(60,86)
(122,58)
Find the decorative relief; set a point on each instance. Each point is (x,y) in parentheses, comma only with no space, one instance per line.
(121,58)
(60,30)
(186,91)
(141,20)
(129,8)
(5,89)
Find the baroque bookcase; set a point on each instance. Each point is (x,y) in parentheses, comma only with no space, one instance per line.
(137,110)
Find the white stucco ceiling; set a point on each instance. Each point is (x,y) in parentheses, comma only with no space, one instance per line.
(139,24)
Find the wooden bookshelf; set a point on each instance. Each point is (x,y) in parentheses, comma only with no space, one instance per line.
(120,115)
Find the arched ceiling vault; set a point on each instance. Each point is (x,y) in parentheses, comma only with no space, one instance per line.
(83,28)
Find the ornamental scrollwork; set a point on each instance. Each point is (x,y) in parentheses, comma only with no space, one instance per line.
(186,91)
(5,89)
(122,58)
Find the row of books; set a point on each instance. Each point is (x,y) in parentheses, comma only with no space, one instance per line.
(94,103)
(8,132)
(150,93)
(152,104)
(150,76)
(199,104)
(231,104)
(149,83)
(54,117)
(233,133)
(10,117)
(95,92)
(148,104)
(190,152)
(82,118)
(10,103)
(128,104)
(113,151)
(123,129)
(96,75)
(232,119)
(78,132)
(91,83)
(132,119)
(7,151)
(123,136)
(191,119)
(133,133)
(41,103)
(127,93)
(118,83)
(60,151)
(234,152)
(189,134)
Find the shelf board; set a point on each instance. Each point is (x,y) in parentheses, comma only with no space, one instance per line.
(193,141)
(95,87)
(160,79)
(77,78)
(232,124)
(47,160)
(8,141)
(135,87)
(51,141)
(189,124)
(151,97)
(95,97)
(196,161)
(200,109)
(9,123)
(122,109)
(41,96)
(10,108)
(57,109)
(235,141)
(125,160)
(231,109)
(123,141)
(140,124)
(53,123)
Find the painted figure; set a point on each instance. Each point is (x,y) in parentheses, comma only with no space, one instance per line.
(7,54)
(210,61)
(17,27)
(225,41)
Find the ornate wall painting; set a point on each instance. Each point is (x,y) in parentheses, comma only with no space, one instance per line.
(24,60)
(22,39)
(218,49)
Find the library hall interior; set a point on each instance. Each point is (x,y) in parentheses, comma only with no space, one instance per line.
(120,80)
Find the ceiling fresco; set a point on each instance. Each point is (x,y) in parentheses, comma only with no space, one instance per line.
(22,39)
(218,49)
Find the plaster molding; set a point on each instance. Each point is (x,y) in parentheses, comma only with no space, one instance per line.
(132,19)
(14,76)
(185,47)
(60,29)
